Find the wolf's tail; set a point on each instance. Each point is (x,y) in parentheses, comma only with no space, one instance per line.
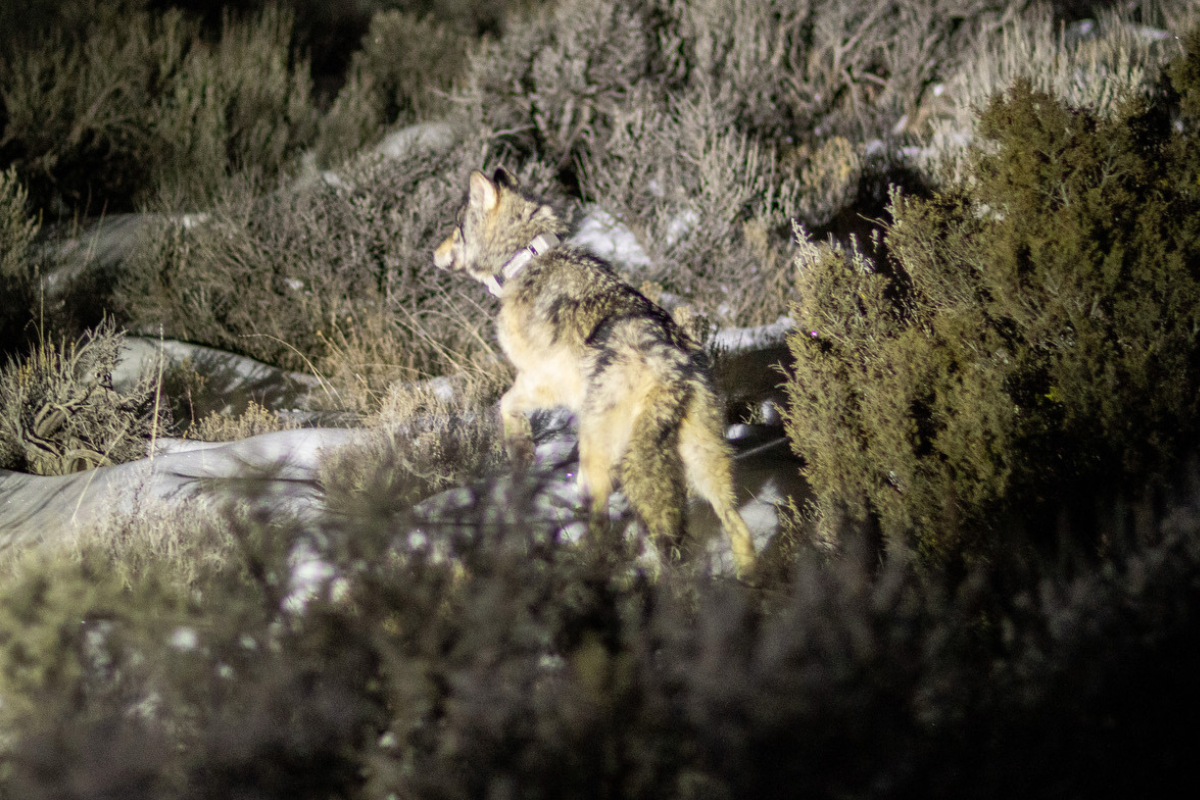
(652,473)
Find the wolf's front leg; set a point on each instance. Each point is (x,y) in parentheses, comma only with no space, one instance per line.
(518,434)
(595,480)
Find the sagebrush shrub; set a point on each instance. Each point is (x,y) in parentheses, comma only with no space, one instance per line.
(705,127)
(18,268)
(59,619)
(255,420)
(424,438)
(803,70)
(60,414)
(241,105)
(775,68)
(76,108)
(708,204)
(403,72)
(17,228)
(138,104)
(1032,338)
(27,21)
(552,83)
(478,652)
(414,62)
(1117,58)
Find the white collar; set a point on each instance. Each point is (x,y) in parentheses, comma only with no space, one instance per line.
(539,245)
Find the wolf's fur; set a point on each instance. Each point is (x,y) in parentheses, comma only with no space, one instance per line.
(582,338)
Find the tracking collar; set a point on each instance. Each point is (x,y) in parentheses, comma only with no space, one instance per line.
(539,245)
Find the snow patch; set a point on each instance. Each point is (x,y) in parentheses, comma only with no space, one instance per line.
(601,233)
(422,137)
(232,379)
(283,464)
(736,340)
(681,225)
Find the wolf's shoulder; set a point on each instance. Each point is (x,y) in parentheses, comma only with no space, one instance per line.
(574,293)
(572,272)
(573,258)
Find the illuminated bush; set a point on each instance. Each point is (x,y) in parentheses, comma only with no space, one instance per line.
(1034,337)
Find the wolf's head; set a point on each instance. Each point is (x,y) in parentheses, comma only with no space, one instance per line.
(495,223)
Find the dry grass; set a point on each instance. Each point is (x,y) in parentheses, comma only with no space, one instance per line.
(178,543)
(331,278)
(424,437)
(253,421)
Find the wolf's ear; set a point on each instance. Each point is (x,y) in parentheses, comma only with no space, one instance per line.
(482,193)
(505,178)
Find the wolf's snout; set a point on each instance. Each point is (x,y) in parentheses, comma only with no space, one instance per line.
(442,258)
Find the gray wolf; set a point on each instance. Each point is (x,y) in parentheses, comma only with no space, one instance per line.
(581,337)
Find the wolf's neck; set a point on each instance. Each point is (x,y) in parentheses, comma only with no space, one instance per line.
(513,266)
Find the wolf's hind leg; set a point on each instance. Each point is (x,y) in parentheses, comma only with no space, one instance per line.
(602,437)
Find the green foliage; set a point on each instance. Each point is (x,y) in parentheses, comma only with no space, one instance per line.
(1098,67)
(60,414)
(1032,338)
